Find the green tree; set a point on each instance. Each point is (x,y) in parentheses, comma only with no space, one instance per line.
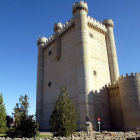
(3,127)
(64,118)
(21,109)
(9,120)
(26,125)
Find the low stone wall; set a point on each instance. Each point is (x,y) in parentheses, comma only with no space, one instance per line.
(91,136)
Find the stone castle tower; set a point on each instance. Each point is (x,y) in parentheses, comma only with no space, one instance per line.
(82,55)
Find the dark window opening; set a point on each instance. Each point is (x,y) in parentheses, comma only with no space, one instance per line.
(91,35)
(50,52)
(94,73)
(87,119)
(49,84)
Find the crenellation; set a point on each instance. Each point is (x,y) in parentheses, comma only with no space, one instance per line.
(108,84)
(136,73)
(91,18)
(67,27)
(113,86)
(126,75)
(129,75)
(96,25)
(68,23)
(96,28)
(49,40)
(104,87)
(41,40)
(80,4)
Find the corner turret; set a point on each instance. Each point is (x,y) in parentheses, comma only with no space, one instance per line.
(108,23)
(111,49)
(41,41)
(79,6)
(57,27)
(80,11)
(40,78)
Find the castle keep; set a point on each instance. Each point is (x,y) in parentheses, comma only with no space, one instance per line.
(82,55)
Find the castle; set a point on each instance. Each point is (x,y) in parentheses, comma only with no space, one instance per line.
(82,55)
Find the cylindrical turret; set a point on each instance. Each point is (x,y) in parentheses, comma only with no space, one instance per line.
(111,49)
(57,28)
(40,73)
(130,101)
(85,83)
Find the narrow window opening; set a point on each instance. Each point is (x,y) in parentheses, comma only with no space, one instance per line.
(49,84)
(94,73)
(87,119)
(91,35)
(50,52)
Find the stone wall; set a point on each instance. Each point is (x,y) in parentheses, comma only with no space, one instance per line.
(115,107)
(130,100)
(101,105)
(100,76)
(70,68)
(124,98)
(58,73)
(99,59)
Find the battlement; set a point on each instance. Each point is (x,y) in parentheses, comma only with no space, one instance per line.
(79,5)
(45,40)
(131,75)
(61,28)
(99,26)
(123,77)
(101,90)
(67,26)
(115,85)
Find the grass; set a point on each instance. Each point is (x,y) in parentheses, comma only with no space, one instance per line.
(3,135)
(43,136)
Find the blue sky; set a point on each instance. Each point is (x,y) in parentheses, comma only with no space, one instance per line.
(22,21)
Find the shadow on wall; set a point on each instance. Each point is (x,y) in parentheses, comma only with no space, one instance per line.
(115,107)
(99,108)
